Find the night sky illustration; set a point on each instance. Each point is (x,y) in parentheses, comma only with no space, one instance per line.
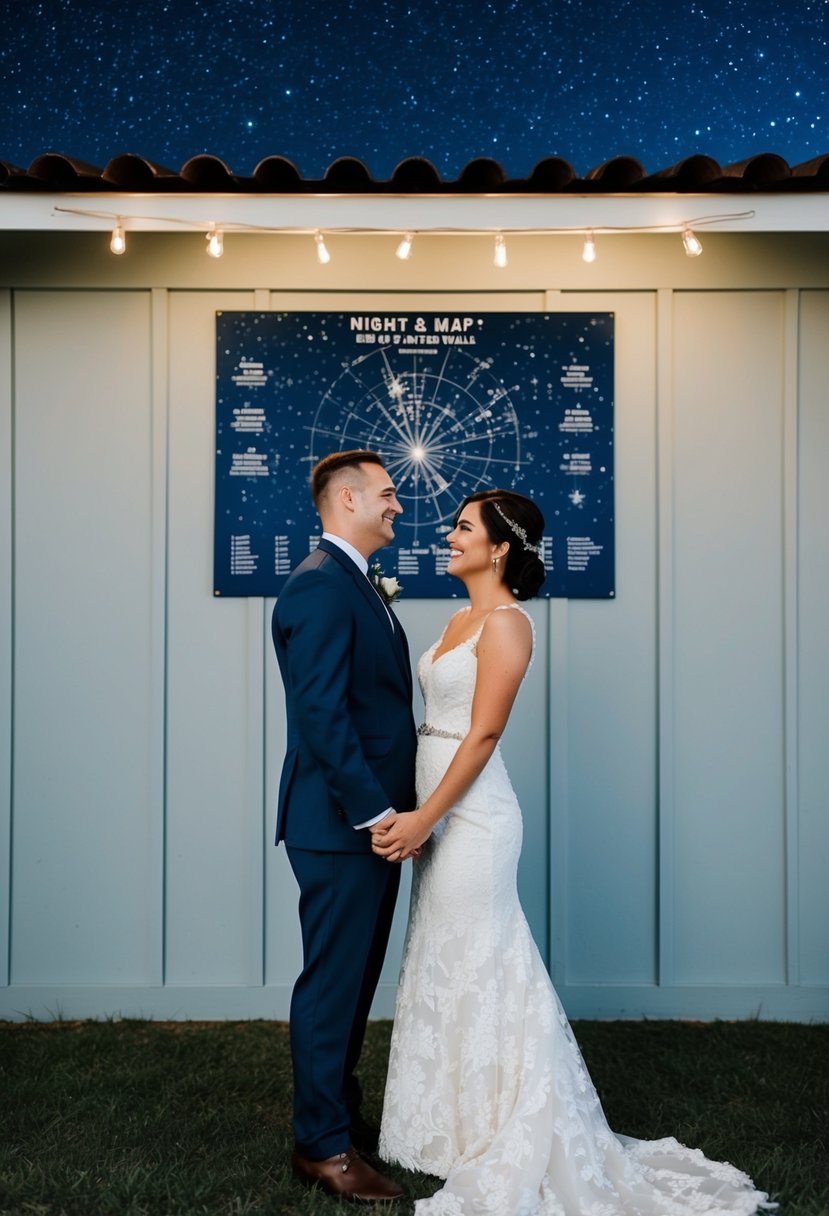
(517,80)
(454,402)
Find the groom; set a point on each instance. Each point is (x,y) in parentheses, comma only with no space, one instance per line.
(349,761)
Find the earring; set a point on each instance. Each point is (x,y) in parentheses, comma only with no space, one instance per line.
(495,565)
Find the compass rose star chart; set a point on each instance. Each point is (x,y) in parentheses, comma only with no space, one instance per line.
(445,426)
(453,401)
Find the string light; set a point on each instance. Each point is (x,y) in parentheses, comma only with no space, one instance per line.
(692,243)
(215,242)
(118,243)
(404,249)
(215,235)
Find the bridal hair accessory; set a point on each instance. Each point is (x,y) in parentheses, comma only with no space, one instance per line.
(389,589)
(518,530)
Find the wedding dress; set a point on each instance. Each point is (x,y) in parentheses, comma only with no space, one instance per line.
(486,1087)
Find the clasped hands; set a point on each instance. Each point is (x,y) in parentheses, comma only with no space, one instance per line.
(399,837)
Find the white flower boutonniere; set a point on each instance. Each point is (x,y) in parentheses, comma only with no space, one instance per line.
(389,589)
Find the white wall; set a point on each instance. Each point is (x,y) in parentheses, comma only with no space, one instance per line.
(668,748)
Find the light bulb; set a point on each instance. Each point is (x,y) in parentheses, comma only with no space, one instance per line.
(215,243)
(692,243)
(500,252)
(323,255)
(404,249)
(588,253)
(118,243)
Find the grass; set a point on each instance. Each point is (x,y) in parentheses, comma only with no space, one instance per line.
(134,1118)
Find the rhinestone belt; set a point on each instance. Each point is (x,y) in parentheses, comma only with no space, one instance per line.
(426,729)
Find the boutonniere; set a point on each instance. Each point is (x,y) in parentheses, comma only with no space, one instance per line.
(389,589)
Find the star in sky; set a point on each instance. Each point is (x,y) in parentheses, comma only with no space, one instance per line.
(515,79)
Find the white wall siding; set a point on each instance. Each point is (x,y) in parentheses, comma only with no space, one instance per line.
(86,831)
(215,706)
(6,623)
(668,748)
(728,635)
(606,858)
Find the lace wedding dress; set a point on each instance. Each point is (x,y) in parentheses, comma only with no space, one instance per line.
(487,1088)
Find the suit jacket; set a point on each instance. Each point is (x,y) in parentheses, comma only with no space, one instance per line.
(348,693)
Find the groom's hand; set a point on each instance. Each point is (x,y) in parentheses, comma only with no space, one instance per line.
(399,837)
(378,831)
(383,823)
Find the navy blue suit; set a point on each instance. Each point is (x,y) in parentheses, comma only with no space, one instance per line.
(350,755)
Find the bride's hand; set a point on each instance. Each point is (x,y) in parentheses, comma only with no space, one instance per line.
(400,837)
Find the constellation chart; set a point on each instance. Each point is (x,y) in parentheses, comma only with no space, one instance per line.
(454,402)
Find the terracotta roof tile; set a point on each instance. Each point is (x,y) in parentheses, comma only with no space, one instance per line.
(58,172)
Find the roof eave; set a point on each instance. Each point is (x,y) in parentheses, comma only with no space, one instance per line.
(422,213)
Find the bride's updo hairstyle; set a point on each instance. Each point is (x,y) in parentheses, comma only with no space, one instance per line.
(511,517)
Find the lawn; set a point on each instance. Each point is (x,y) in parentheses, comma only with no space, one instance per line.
(136,1118)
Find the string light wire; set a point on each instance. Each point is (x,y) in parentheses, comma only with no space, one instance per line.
(687,227)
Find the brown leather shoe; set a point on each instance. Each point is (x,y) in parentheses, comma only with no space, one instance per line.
(346,1175)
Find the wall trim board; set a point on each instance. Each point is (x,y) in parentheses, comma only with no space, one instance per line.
(665,631)
(272,1002)
(791,661)
(558,788)
(159,406)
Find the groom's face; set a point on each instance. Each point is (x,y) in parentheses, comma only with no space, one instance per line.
(375,508)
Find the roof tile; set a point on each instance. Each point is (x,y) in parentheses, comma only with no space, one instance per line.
(59,172)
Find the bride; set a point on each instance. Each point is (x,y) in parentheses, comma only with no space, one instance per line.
(486,1086)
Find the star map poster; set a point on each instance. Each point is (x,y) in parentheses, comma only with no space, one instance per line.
(454,402)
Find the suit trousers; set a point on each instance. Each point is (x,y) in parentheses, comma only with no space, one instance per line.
(346,905)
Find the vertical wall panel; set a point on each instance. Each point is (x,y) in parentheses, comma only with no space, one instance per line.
(6,475)
(214,694)
(813,667)
(727,635)
(611,694)
(86,887)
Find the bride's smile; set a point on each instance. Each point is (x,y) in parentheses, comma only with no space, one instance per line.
(470,549)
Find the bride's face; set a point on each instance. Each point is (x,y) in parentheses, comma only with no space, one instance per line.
(470,548)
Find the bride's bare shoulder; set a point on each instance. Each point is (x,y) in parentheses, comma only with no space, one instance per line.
(510,626)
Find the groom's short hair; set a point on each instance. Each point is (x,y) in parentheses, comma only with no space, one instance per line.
(333,463)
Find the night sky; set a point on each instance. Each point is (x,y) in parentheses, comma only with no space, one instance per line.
(450,80)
